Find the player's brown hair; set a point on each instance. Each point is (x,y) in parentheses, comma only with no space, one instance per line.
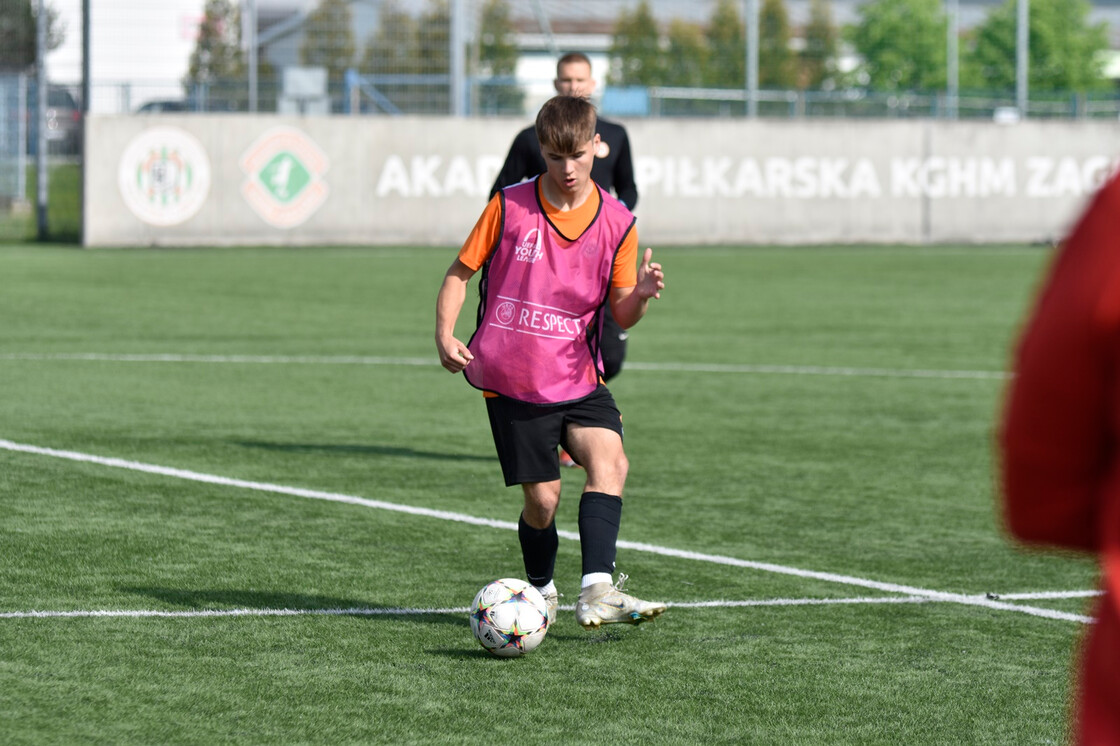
(566,123)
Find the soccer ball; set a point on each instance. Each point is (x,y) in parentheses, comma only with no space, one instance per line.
(509,617)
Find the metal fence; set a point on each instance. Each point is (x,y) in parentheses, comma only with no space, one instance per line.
(432,57)
(474,57)
(509,96)
(13,139)
(861,103)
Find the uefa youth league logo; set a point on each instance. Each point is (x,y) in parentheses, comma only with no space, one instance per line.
(529,249)
(164,176)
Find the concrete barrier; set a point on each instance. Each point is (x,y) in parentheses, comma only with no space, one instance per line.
(267,180)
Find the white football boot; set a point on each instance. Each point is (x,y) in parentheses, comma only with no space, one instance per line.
(603,603)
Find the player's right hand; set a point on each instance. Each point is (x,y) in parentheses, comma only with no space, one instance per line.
(453,354)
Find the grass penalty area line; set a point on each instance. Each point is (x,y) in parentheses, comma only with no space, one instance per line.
(799,370)
(896,589)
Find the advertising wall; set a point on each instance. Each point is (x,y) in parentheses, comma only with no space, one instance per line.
(265,180)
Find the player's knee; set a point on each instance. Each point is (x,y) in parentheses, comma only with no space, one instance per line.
(607,473)
(622,467)
(541,502)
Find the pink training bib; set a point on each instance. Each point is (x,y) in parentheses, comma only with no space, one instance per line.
(540,315)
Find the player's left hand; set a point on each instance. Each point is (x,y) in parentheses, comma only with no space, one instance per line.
(651,279)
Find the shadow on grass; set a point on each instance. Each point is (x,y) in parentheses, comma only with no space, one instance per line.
(361,450)
(574,636)
(467,652)
(229,599)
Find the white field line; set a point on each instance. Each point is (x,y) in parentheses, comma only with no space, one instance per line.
(800,370)
(894,588)
(816,370)
(403,612)
(365,611)
(1045,595)
(142,613)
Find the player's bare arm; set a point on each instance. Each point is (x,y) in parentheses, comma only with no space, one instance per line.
(453,354)
(629,305)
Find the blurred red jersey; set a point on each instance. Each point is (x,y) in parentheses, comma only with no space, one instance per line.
(1060,439)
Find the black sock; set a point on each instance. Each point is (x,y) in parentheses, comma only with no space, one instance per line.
(538,549)
(599,518)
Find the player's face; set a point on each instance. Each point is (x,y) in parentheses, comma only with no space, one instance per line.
(574,79)
(571,172)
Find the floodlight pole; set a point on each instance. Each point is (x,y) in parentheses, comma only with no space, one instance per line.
(752,58)
(952,54)
(87,94)
(458,58)
(1022,56)
(249,30)
(41,116)
(87,83)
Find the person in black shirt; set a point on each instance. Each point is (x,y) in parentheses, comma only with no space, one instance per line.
(612,170)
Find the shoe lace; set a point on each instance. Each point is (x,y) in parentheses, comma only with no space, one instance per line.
(622,578)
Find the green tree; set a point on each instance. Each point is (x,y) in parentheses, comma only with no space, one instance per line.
(902,43)
(497,58)
(392,50)
(217,71)
(727,39)
(19,37)
(434,46)
(636,48)
(217,52)
(409,45)
(1064,48)
(775,59)
(821,45)
(688,49)
(435,38)
(393,47)
(328,39)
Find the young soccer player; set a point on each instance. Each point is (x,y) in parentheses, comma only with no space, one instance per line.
(612,171)
(553,252)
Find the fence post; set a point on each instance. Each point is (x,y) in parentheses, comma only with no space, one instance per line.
(350,102)
(42,89)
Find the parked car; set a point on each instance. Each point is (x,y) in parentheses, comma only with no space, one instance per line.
(64,122)
(163,105)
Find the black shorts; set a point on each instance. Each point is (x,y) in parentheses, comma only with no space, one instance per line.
(527,435)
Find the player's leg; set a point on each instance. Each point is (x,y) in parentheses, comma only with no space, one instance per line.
(600,506)
(526,438)
(536,530)
(594,436)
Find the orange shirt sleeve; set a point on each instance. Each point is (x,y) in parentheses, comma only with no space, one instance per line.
(625,271)
(484,237)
